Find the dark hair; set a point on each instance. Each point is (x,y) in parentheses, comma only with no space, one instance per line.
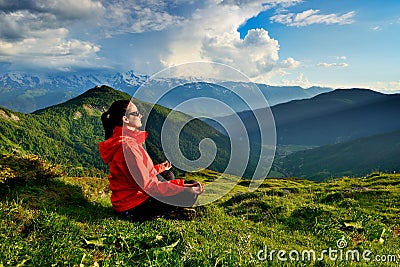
(113,116)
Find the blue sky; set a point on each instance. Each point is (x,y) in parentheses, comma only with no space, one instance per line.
(339,44)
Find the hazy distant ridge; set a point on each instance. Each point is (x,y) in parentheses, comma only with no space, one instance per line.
(26,93)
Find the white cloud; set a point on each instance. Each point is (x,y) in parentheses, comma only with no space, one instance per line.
(211,35)
(386,87)
(290,63)
(138,17)
(376,28)
(256,53)
(299,81)
(107,17)
(257,3)
(311,16)
(22,24)
(63,33)
(35,34)
(341,57)
(63,10)
(72,9)
(49,49)
(332,65)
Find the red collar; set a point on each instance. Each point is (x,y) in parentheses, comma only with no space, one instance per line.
(139,136)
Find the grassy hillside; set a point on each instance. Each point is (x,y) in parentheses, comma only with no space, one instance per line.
(65,221)
(353,158)
(69,133)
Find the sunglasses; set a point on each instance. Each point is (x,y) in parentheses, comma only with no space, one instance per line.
(134,113)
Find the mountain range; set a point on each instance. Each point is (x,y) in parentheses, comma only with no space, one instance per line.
(352,132)
(343,132)
(328,118)
(26,92)
(337,116)
(68,133)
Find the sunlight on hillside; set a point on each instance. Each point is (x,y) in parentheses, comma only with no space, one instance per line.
(69,221)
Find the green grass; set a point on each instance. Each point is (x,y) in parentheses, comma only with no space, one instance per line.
(67,221)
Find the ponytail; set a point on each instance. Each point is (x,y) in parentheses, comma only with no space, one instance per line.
(108,127)
(113,116)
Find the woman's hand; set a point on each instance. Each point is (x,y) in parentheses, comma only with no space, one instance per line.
(195,188)
(167,165)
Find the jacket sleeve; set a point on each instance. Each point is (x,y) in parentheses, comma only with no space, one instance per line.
(136,167)
(159,168)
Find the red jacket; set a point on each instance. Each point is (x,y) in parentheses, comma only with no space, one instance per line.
(132,172)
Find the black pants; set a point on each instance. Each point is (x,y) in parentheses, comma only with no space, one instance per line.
(152,208)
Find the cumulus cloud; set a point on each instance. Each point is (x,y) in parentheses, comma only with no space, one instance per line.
(256,53)
(211,35)
(22,24)
(54,29)
(64,33)
(35,33)
(290,63)
(49,49)
(332,65)
(311,16)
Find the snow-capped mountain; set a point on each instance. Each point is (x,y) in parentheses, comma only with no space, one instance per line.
(74,82)
(25,92)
